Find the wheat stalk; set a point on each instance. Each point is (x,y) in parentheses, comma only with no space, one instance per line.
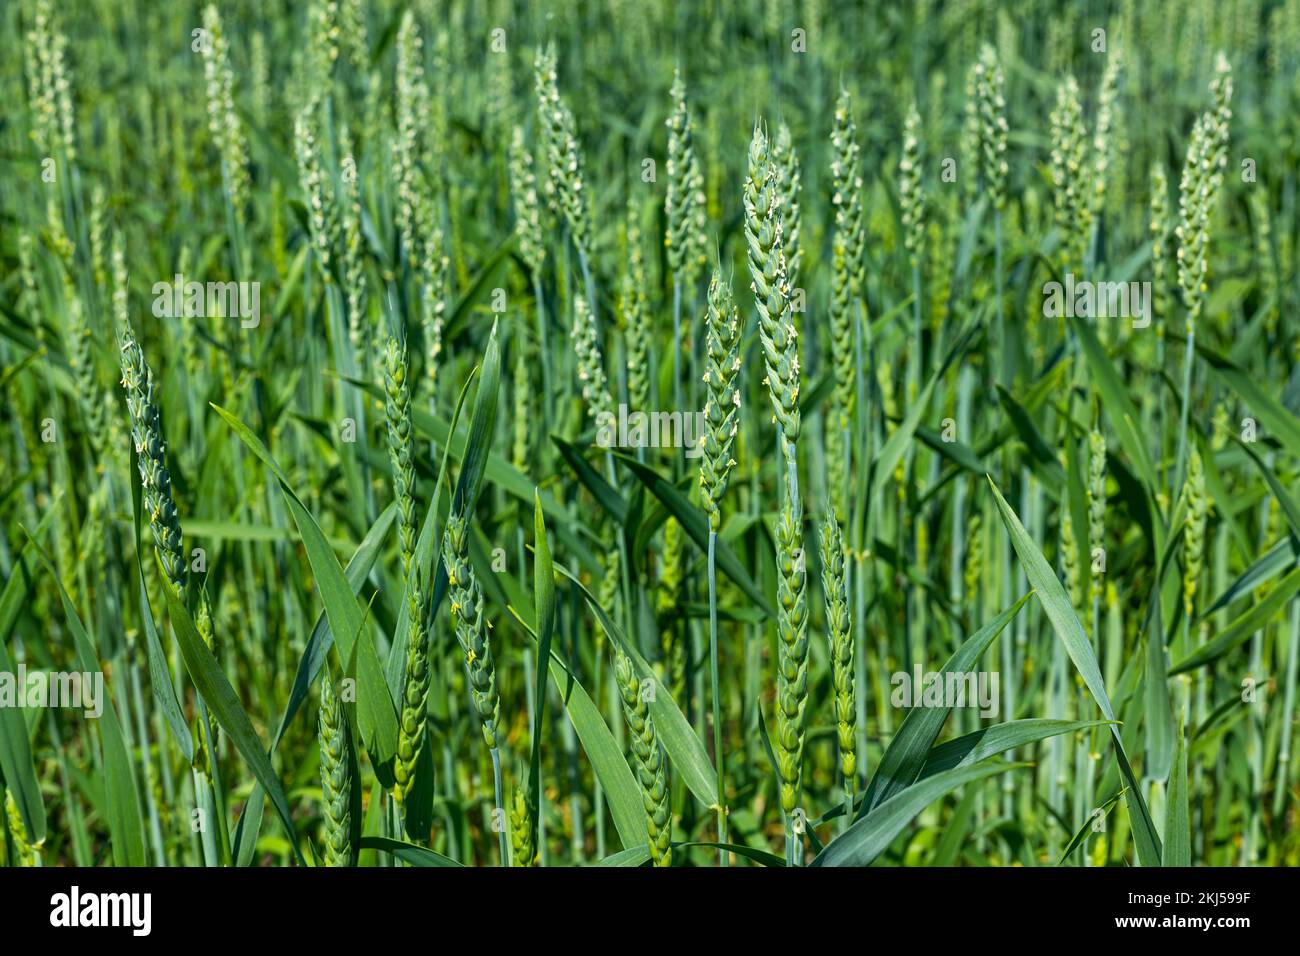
(1202,177)
(767,266)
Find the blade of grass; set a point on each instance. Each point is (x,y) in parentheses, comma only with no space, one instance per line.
(1067,627)
(679,740)
(125,823)
(871,835)
(904,758)
(223,703)
(1178,831)
(377,716)
(16,761)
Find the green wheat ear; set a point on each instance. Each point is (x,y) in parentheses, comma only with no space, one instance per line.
(1071,203)
(528,207)
(523,831)
(986,125)
(651,769)
(24,854)
(767,269)
(591,361)
(567,190)
(223,122)
(792,655)
(415,683)
(636,320)
(1070,561)
(1096,494)
(835,586)
(722,404)
(684,203)
(786,162)
(151,451)
(465,598)
(911,195)
(1198,192)
(318,188)
(335,776)
(412,95)
(667,608)
(1159,229)
(846,282)
(974,569)
(353,264)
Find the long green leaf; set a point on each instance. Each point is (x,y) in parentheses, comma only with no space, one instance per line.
(1287,503)
(1285,553)
(696,525)
(544,615)
(871,835)
(1067,627)
(901,764)
(1123,416)
(502,474)
(160,675)
(310,664)
(125,824)
(407,852)
(1265,407)
(882,467)
(16,764)
(633,856)
(607,761)
(376,714)
(322,637)
(223,703)
(1089,825)
(988,742)
(1159,710)
(1178,829)
(1242,627)
(679,740)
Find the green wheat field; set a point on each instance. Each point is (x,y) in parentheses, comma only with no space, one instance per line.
(450,433)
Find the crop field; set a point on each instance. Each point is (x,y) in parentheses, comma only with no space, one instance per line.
(502,433)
